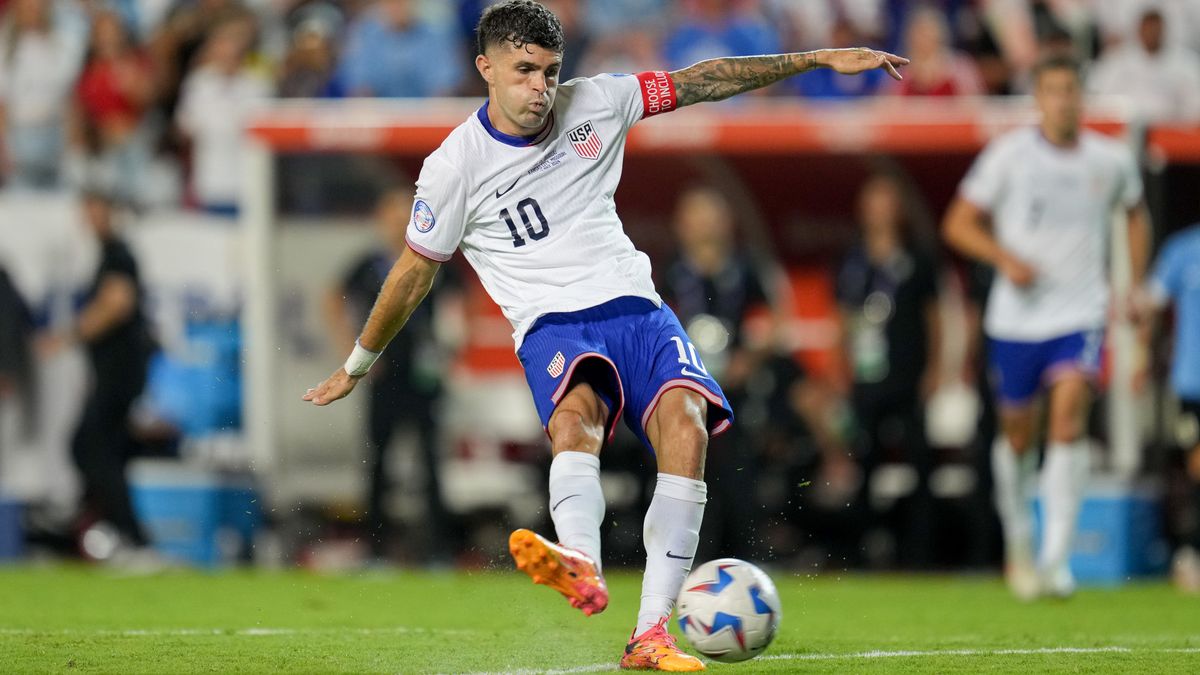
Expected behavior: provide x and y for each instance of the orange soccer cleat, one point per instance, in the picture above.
(656, 650)
(565, 570)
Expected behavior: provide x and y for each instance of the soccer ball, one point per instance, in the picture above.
(729, 610)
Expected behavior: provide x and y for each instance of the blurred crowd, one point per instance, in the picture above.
(146, 98)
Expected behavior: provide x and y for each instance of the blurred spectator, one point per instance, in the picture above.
(111, 99)
(811, 25)
(983, 540)
(390, 52)
(1161, 82)
(936, 68)
(609, 18)
(713, 288)
(310, 67)
(38, 66)
(887, 290)
(217, 98)
(176, 47)
(16, 362)
(979, 39)
(826, 83)
(1175, 281)
(1118, 21)
(112, 328)
(711, 28)
(633, 51)
(577, 33)
(405, 385)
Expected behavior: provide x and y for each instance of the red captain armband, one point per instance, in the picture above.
(658, 92)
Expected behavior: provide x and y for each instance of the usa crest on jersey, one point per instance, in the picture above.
(585, 140)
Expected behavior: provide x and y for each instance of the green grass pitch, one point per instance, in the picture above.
(75, 620)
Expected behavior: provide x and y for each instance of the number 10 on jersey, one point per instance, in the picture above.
(694, 361)
(525, 207)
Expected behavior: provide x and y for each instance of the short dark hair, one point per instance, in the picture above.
(1057, 61)
(521, 22)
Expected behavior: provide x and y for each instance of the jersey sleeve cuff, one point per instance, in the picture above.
(658, 92)
(427, 253)
(974, 200)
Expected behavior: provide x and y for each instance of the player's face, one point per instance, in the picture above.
(521, 84)
(1059, 98)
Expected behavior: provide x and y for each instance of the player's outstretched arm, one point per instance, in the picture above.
(717, 79)
(406, 286)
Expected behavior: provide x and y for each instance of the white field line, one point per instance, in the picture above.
(882, 654)
(598, 667)
(237, 632)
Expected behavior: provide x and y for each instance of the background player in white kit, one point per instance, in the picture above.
(525, 189)
(1050, 192)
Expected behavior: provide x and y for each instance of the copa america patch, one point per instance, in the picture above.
(556, 365)
(422, 216)
(585, 140)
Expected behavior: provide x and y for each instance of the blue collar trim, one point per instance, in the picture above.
(509, 139)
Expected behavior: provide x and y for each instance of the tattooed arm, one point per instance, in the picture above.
(717, 79)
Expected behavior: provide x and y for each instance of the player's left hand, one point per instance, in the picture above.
(860, 59)
(337, 386)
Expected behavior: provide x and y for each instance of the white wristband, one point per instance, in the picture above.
(360, 361)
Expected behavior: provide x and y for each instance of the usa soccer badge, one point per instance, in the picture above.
(585, 140)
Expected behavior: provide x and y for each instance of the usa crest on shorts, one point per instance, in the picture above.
(556, 365)
(585, 140)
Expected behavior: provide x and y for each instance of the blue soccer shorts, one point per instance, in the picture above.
(630, 351)
(1020, 369)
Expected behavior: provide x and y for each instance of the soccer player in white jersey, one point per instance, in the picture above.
(1050, 193)
(524, 188)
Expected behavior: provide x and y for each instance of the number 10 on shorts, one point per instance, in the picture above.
(690, 359)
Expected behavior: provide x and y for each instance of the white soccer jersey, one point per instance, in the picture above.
(535, 216)
(1052, 207)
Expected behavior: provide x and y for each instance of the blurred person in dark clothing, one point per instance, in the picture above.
(16, 360)
(406, 382)
(310, 67)
(713, 288)
(984, 544)
(887, 291)
(113, 331)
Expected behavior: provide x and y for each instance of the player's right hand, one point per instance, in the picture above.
(337, 386)
(1016, 270)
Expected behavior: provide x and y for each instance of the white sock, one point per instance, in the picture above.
(1063, 478)
(671, 534)
(1012, 479)
(577, 502)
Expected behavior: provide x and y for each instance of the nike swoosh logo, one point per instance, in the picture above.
(561, 501)
(500, 194)
(692, 373)
(679, 557)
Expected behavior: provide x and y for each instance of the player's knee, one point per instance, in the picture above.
(1065, 429)
(578, 423)
(1020, 444)
(680, 436)
(1019, 435)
